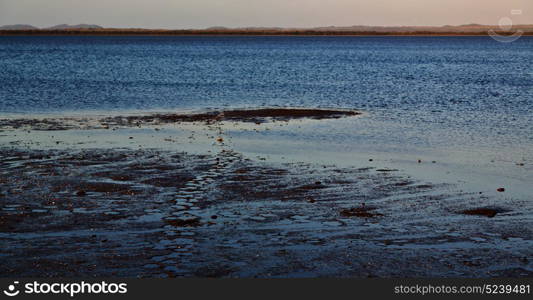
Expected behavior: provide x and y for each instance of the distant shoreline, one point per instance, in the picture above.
(147, 32)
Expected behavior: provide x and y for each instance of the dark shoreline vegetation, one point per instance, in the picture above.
(238, 32)
(256, 116)
(246, 115)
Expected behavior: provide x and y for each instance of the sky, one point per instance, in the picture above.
(243, 13)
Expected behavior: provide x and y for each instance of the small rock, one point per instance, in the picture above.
(471, 263)
(386, 170)
(183, 222)
(487, 212)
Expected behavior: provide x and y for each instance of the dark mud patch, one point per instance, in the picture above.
(313, 186)
(361, 212)
(486, 212)
(46, 124)
(285, 114)
(222, 215)
(103, 187)
(186, 222)
(114, 176)
(243, 115)
(170, 180)
(239, 115)
(387, 170)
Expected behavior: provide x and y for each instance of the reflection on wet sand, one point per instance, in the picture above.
(136, 209)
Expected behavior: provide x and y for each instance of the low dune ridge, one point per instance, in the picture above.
(90, 29)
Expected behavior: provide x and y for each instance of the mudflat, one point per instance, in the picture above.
(99, 197)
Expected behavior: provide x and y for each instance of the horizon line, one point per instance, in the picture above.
(256, 26)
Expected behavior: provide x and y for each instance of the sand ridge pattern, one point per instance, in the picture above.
(257, 116)
(166, 213)
(236, 218)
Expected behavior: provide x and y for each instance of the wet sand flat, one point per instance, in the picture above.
(134, 208)
(237, 115)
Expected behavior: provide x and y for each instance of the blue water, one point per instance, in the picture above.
(465, 100)
(433, 79)
(460, 81)
(41, 74)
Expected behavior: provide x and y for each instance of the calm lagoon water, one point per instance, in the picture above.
(464, 101)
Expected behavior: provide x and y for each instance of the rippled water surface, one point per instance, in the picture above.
(460, 74)
(465, 99)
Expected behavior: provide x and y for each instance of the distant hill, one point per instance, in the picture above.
(462, 29)
(468, 28)
(69, 27)
(18, 27)
(217, 28)
(88, 29)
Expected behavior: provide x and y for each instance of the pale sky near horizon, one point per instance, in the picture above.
(242, 13)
